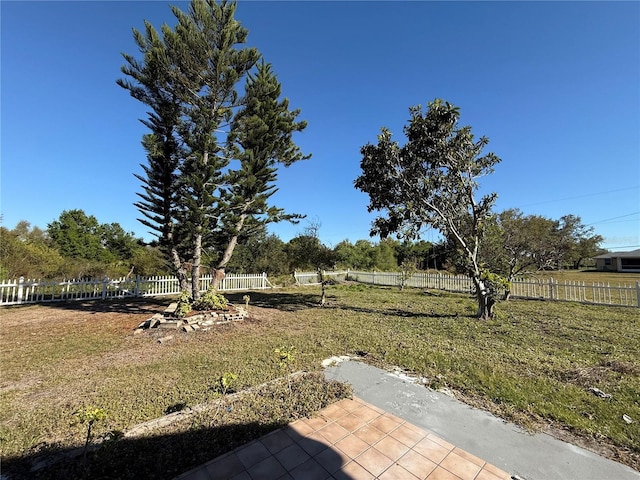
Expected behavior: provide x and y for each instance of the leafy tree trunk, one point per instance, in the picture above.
(431, 180)
(484, 298)
(219, 270)
(323, 283)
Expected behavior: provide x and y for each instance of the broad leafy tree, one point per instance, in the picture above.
(212, 150)
(575, 241)
(78, 235)
(26, 252)
(260, 253)
(432, 181)
(515, 244)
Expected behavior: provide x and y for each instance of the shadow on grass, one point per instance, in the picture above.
(166, 456)
(278, 300)
(289, 302)
(292, 302)
(285, 301)
(131, 305)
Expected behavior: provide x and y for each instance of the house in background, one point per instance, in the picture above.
(618, 261)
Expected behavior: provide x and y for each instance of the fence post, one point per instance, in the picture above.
(137, 289)
(104, 287)
(20, 289)
(638, 293)
(264, 280)
(550, 288)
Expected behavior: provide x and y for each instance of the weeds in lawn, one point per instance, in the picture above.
(286, 357)
(89, 416)
(226, 381)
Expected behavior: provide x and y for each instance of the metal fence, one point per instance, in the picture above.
(22, 291)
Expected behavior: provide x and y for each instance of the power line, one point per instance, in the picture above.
(612, 218)
(582, 196)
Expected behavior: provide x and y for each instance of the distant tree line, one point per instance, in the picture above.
(77, 245)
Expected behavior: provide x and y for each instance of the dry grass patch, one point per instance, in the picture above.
(533, 364)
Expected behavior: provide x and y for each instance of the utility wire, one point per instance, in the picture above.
(612, 218)
(582, 196)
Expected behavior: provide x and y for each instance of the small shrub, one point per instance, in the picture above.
(89, 416)
(226, 382)
(184, 304)
(211, 300)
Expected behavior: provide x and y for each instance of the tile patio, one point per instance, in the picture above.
(350, 439)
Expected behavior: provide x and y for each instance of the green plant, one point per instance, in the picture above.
(89, 416)
(286, 357)
(226, 381)
(495, 285)
(211, 300)
(408, 270)
(184, 304)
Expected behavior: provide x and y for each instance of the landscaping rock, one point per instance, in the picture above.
(599, 393)
(196, 321)
(171, 309)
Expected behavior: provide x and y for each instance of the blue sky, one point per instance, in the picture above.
(554, 85)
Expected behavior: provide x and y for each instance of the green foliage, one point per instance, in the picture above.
(515, 244)
(89, 416)
(408, 270)
(495, 285)
(286, 356)
(211, 300)
(432, 181)
(184, 304)
(260, 253)
(202, 192)
(308, 253)
(27, 253)
(74, 246)
(226, 381)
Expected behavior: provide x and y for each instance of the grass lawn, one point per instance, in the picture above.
(533, 364)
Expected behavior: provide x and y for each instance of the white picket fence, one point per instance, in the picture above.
(22, 291)
(596, 293)
(41, 291)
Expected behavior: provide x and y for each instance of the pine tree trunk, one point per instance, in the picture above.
(218, 276)
(180, 271)
(219, 271)
(195, 267)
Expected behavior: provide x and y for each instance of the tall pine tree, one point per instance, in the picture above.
(194, 198)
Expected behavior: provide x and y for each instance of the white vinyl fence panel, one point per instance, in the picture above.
(596, 293)
(313, 278)
(21, 291)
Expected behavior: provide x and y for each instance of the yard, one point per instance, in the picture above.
(534, 364)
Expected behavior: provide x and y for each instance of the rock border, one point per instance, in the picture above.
(194, 322)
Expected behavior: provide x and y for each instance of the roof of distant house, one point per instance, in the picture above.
(632, 253)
